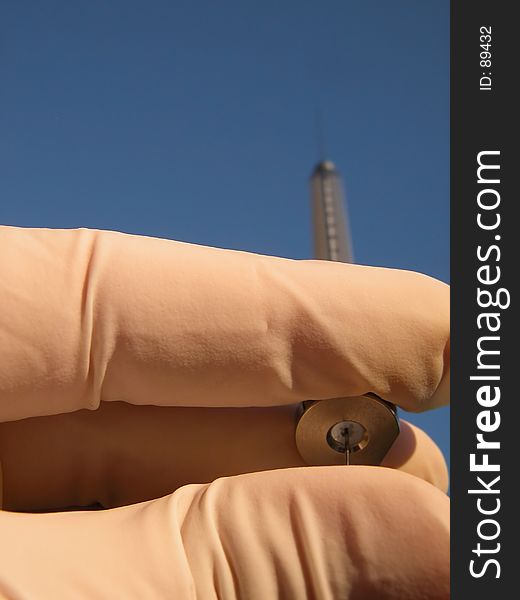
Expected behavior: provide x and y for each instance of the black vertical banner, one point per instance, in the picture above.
(485, 250)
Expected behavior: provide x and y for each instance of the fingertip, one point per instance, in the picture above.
(414, 452)
(356, 532)
(441, 396)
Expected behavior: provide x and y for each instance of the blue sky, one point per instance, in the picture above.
(195, 120)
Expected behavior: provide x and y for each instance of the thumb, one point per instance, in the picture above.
(314, 532)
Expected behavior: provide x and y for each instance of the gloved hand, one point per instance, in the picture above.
(133, 368)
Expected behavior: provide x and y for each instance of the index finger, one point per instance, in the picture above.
(91, 316)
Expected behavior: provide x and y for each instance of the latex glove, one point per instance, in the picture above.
(112, 323)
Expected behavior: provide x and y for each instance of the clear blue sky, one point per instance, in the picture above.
(194, 120)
